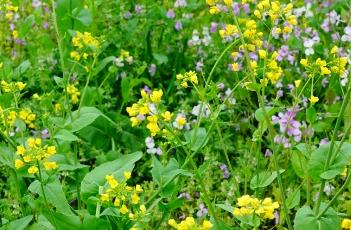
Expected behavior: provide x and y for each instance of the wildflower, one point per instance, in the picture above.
(50, 165)
(313, 99)
(304, 62)
(189, 223)
(124, 209)
(297, 83)
(33, 170)
(156, 96)
(346, 224)
(127, 175)
(18, 164)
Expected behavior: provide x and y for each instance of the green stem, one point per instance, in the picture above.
(330, 150)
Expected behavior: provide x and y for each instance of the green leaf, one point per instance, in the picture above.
(305, 218)
(62, 221)
(163, 175)
(311, 115)
(19, 224)
(26, 25)
(337, 163)
(65, 135)
(102, 64)
(54, 194)
(259, 115)
(299, 163)
(226, 207)
(263, 179)
(7, 156)
(160, 58)
(293, 199)
(95, 178)
(201, 138)
(83, 15)
(85, 117)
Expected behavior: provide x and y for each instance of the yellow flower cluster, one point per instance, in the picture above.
(145, 109)
(28, 117)
(7, 117)
(346, 224)
(124, 197)
(33, 153)
(10, 10)
(214, 7)
(274, 10)
(336, 65)
(190, 224)
(187, 77)
(248, 205)
(274, 72)
(83, 41)
(74, 93)
(11, 87)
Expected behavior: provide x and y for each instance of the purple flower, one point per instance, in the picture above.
(287, 125)
(224, 169)
(138, 9)
(152, 69)
(184, 195)
(45, 134)
(236, 8)
(178, 26)
(213, 27)
(202, 211)
(199, 66)
(170, 14)
(268, 153)
(180, 3)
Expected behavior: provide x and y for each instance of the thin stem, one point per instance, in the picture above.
(330, 151)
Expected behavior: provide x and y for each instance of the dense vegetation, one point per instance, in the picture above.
(185, 114)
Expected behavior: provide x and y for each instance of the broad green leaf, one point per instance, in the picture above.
(337, 164)
(83, 15)
(311, 115)
(83, 118)
(226, 207)
(19, 224)
(7, 156)
(63, 221)
(102, 64)
(299, 163)
(293, 199)
(198, 141)
(54, 194)
(65, 135)
(95, 178)
(306, 218)
(263, 179)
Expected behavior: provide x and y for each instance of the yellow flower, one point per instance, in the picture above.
(50, 165)
(235, 67)
(304, 62)
(19, 163)
(346, 223)
(138, 188)
(297, 83)
(206, 225)
(262, 54)
(325, 70)
(167, 116)
(20, 150)
(135, 198)
(127, 175)
(214, 10)
(156, 96)
(124, 209)
(104, 197)
(334, 50)
(51, 150)
(117, 202)
(313, 99)
(142, 208)
(33, 169)
(173, 223)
